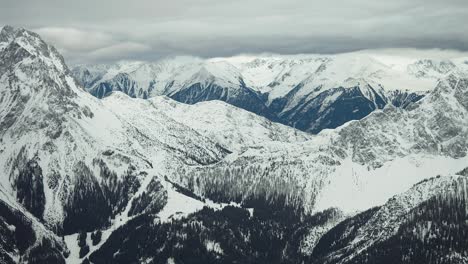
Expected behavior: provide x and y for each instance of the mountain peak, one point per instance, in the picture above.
(6, 32)
(203, 75)
(18, 44)
(448, 84)
(9, 33)
(31, 69)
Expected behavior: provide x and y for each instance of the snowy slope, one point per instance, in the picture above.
(166, 76)
(234, 128)
(332, 71)
(159, 131)
(78, 163)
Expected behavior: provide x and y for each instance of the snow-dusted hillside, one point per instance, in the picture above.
(234, 128)
(76, 163)
(309, 92)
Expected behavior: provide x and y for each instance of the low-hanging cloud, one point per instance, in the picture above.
(101, 31)
(87, 46)
(75, 40)
(121, 50)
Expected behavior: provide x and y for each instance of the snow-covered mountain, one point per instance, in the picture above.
(68, 159)
(188, 80)
(128, 180)
(77, 163)
(378, 156)
(309, 92)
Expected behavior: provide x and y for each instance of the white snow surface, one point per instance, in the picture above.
(355, 188)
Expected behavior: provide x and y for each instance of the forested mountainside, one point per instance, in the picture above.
(24, 239)
(425, 224)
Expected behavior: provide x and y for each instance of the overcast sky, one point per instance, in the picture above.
(89, 31)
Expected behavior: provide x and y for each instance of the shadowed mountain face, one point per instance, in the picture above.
(244, 98)
(329, 109)
(155, 180)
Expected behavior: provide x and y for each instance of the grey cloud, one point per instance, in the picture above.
(72, 39)
(109, 30)
(120, 49)
(88, 46)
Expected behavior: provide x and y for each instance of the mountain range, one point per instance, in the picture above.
(308, 92)
(349, 158)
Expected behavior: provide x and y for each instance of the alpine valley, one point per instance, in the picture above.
(348, 158)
